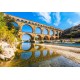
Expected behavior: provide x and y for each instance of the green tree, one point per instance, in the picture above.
(10, 24)
(9, 21)
(2, 22)
(7, 35)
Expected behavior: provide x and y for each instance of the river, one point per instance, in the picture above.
(34, 55)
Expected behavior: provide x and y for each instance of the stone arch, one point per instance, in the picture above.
(45, 31)
(60, 33)
(18, 20)
(22, 21)
(46, 38)
(38, 30)
(13, 25)
(27, 28)
(56, 33)
(27, 37)
(26, 21)
(26, 46)
(56, 38)
(51, 32)
(52, 38)
(38, 37)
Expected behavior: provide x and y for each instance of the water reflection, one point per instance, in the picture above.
(26, 55)
(37, 47)
(45, 52)
(51, 52)
(26, 46)
(37, 53)
(30, 54)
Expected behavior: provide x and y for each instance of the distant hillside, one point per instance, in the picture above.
(73, 32)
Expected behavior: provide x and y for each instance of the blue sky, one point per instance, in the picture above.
(62, 20)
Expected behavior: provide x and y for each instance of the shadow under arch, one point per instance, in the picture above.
(27, 28)
(52, 38)
(38, 37)
(46, 38)
(56, 38)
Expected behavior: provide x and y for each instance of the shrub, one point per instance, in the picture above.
(71, 39)
(7, 35)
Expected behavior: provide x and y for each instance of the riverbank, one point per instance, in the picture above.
(6, 51)
(72, 53)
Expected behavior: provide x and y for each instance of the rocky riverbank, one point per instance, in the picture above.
(6, 51)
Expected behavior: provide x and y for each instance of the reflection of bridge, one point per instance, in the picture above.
(30, 55)
(35, 47)
(21, 22)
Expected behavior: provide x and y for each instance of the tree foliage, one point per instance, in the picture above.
(9, 21)
(10, 24)
(6, 31)
(7, 35)
(2, 22)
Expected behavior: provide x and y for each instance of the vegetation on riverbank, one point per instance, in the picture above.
(8, 34)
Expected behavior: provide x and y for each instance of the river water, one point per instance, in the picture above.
(69, 44)
(34, 55)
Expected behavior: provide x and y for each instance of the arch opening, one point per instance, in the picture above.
(26, 46)
(38, 30)
(38, 37)
(45, 31)
(13, 25)
(46, 38)
(51, 32)
(27, 28)
(60, 33)
(26, 37)
(56, 33)
(52, 38)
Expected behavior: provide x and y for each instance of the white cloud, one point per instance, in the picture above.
(73, 23)
(45, 16)
(76, 23)
(69, 21)
(78, 13)
(58, 18)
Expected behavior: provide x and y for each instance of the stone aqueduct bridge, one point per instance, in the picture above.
(21, 22)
